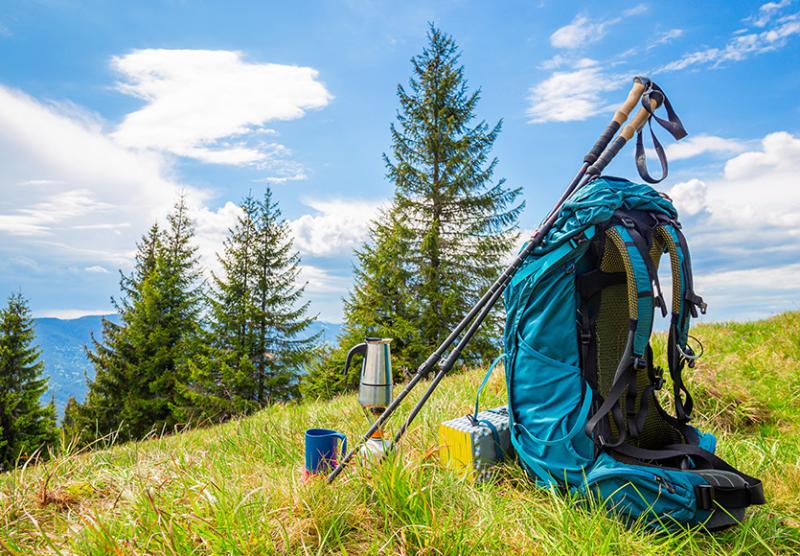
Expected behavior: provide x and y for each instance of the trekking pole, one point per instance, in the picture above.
(491, 295)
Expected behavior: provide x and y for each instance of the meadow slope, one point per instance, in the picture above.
(237, 488)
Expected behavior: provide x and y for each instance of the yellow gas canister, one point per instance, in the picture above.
(474, 444)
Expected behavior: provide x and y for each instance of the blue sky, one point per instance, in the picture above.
(109, 110)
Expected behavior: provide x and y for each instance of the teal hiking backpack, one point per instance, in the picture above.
(584, 405)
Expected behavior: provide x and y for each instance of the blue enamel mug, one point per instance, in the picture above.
(321, 452)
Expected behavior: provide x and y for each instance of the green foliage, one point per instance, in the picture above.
(255, 349)
(238, 488)
(437, 249)
(140, 363)
(26, 426)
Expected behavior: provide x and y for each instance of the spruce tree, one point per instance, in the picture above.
(140, 363)
(25, 424)
(259, 344)
(113, 356)
(460, 221)
(450, 227)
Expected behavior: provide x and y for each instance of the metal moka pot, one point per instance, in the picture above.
(375, 384)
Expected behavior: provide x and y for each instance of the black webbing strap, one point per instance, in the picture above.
(590, 283)
(728, 497)
(672, 124)
(683, 398)
(625, 379)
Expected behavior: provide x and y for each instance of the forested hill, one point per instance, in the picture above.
(62, 342)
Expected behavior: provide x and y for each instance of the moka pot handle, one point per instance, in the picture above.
(360, 349)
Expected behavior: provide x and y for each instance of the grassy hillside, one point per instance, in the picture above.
(238, 488)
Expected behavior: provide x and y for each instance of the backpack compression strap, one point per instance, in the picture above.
(707, 496)
(685, 304)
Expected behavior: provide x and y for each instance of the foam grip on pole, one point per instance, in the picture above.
(612, 150)
(639, 86)
(640, 119)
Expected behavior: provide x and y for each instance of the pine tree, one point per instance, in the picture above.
(461, 223)
(258, 319)
(449, 229)
(140, 364)
(114, 357)
(26, 426)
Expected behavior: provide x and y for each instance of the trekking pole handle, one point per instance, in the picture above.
(639, 86)
(627, 132)
(641, 117)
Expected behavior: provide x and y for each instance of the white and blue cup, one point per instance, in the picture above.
(322, 451)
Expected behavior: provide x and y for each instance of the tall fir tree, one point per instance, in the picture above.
(114, 356)
(26, 426)
(460, 222)
(451, 222)
(140, 363)
(258, 339)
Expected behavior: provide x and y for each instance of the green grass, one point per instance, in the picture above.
(238, 488)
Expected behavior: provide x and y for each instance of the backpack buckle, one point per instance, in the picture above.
(705, 496)
(639, 363)
(658, 378)
(627, 221)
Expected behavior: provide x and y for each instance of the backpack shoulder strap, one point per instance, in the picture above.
(640, 285)
(685, 304)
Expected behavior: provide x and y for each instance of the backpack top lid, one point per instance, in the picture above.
(596, 202)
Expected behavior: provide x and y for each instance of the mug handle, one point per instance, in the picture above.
(343, 438)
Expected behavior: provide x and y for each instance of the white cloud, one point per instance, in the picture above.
(666, 37)
(583, 30)
(757, 188)
(69, 314)
(780, 152)
(571, 95)
(580, 31)
(72, 196)
(696, 145)
(96, 269)
(750, 293)
(212, 105)
(689, 196)
(766, 12)
(337, 227)
(775, 35)
(744, 230)
(320, 281)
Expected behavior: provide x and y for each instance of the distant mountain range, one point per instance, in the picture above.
(63, 341)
